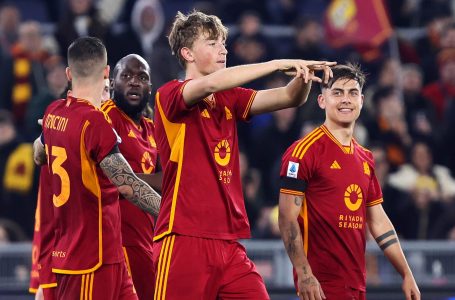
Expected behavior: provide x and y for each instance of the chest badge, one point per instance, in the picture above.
(366, 168)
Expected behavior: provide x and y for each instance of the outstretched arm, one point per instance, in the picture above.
(289, 209)
(117, 169)
(199, 88)
(384, 233)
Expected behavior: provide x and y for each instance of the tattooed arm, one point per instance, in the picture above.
(289, 208)
(382, 230)
(129, 185)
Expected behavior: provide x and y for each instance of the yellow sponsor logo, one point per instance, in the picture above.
(353, 192)
(147, 163)
(223, 153)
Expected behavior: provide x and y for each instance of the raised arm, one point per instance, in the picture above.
(289, 210)
(384, 233)
(199, 88)
(129, 185)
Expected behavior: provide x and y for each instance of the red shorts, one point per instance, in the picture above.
(49, 293)
(197, 268)
(109, 282)
(342, 293)
(140, 265)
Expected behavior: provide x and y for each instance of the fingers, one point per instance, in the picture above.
(415, 295)
(407, 294)
(321, 292)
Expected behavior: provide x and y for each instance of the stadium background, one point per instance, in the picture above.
(407, 48)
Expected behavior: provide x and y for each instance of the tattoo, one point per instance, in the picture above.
(310, 281)
(298, 201)
(384, 236)
(305, 271)
(132, 188)
(389, 243)
(290, 245)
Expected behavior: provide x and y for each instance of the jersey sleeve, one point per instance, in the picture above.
(170, 102)
(244, 100)
(296, 170)
(374, 196)
(99, 137)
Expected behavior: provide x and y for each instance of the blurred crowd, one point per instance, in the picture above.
(407, 121)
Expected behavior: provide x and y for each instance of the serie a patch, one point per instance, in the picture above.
(293, 169)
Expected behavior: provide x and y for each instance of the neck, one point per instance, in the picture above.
(136, 117)
(91, 93)
(192, 72)
(342, 133)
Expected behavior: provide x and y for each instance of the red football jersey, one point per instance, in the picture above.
(34, 271)
(337, 183)
(139, 149)
(77, 138)
(202, 193)
(47, 230)
(43, 237)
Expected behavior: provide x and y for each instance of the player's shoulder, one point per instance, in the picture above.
(55, 104)
(92, 114)
(310, 143)
(108, 105)
(362, 150)
(171, 85)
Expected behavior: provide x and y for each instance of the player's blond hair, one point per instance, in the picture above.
(187, 28)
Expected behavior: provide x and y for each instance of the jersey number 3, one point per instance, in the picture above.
(57, 169)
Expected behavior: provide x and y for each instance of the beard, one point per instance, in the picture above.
(131, 110)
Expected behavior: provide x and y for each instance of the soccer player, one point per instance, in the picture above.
(88, 171)
(196, 253)
(329, 194)
(131, 93)
(42, 280)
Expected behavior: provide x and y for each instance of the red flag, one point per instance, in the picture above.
(357, 22)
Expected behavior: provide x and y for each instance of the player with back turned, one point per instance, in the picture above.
(87, 173)
(329, 195)
(196, 253)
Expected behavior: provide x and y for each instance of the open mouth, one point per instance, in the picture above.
(345, 110)
(135, 96)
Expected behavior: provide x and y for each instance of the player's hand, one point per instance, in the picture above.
(305, 69)
(309, 288)
(410, 288)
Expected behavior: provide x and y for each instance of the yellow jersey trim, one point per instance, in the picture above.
(304, 141)
(175, 134)
(330, 135)
(48, 285)
(249, 104)
(375, 202)
(292, 192)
